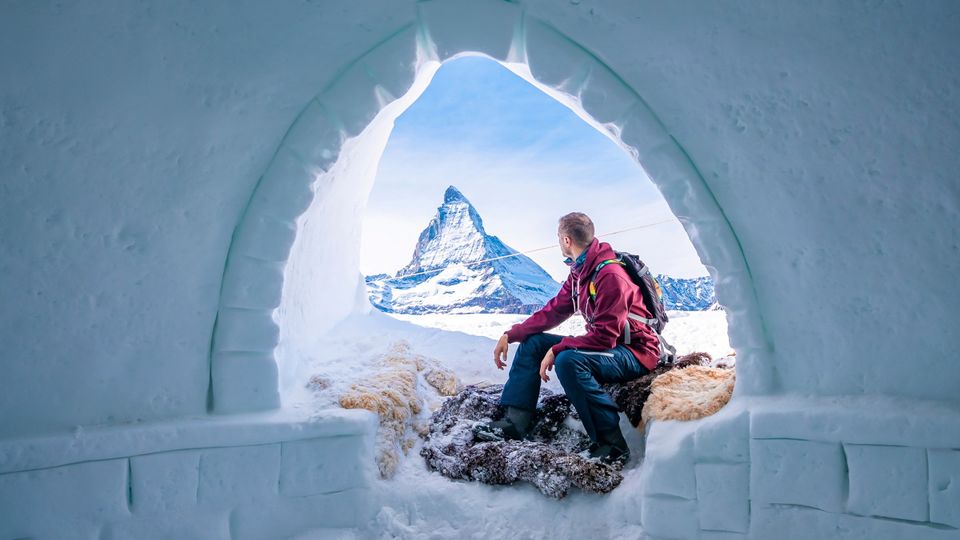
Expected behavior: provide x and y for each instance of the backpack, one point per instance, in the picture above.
(652, 299)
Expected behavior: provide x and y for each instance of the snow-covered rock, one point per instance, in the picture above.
(695, 294)
(458, 268)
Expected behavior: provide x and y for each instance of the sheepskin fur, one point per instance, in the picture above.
(632, 395)
(396, 395)
(688, 394)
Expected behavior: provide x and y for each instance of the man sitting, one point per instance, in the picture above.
(585, 362)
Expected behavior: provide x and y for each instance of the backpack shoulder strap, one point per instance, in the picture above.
(592, 288)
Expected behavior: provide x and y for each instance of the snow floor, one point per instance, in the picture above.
(688, 331)
(419, 504)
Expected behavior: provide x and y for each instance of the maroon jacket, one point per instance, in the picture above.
(616, 295)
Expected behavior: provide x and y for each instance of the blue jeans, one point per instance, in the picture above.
(580, 373)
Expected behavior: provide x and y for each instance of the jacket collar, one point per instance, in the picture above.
(577, 263)
(597, 251)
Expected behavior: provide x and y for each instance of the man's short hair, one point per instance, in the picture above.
(578, 227)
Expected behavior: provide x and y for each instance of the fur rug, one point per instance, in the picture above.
(688, 394)
(550, 460)
(394, 393)
(632, 396)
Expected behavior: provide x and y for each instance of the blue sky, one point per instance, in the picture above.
(523, 160)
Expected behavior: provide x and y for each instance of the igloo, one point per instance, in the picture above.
(176, 178)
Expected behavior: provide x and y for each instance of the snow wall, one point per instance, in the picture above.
(167, 174)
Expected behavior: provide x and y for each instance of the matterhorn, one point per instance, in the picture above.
(458, 268)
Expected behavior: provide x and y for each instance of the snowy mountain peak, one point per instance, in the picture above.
(457, 267)
(454, 235)
(453, 195)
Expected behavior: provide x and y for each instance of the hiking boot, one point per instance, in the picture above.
(498, 430)
(609, 454)
(514, 426)
(588, 453)
(611, 448)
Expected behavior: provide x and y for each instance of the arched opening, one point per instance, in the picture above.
(483, 164)
(326, 162)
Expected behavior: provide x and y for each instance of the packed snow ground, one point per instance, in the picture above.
(462, 342)
(688, 331)
(419, 504)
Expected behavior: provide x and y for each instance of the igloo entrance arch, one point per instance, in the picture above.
(311, 197)
(825, 140)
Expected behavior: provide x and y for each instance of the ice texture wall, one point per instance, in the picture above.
(823, 134)
(133, 138)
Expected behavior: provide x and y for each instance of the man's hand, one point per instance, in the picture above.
(500, 352)
(547, 365)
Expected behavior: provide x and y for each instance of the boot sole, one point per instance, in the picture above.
(490, 436)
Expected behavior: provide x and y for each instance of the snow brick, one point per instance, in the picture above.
(724, 436)
(492, 27)
(642, 131)
(246, 330)
(195, 523)
(230, 476)
(721, 535)
(605, 97)
(945, 487)
(393, 64)
(669, 517)
(265, 238)
(888, 481)
(790, 522)
(286, 517)
(668, 465)
(77, 498)
(165, 482)
(285, 189)
(252, 284)
(723, 495)
(314, 139)
(244, 381)
(354, 99)
(326, 465)
(554, 60)
(806, 473)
